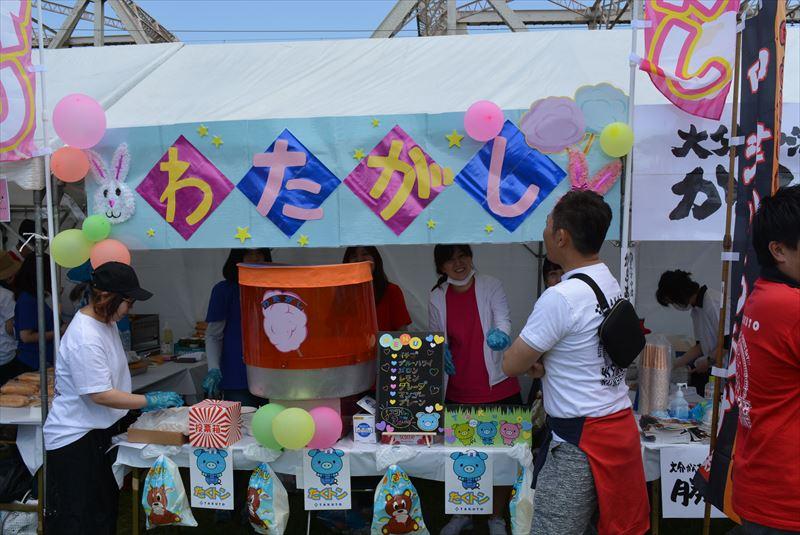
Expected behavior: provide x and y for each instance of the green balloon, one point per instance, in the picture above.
(70, 248)
(262, 425)
(293, 428)
(96, 228)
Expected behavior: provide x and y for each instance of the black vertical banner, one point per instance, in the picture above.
(763, 47)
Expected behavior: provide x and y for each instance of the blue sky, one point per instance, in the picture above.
(205, 21)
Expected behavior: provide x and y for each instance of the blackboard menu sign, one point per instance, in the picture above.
(410, 382)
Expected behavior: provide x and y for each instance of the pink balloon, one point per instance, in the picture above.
(328, 427)
(109, 251)
(483, 120)
(79, 120)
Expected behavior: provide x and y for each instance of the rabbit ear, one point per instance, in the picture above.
(606, 177)
(578, 169)
(120, 163)
(97, 166)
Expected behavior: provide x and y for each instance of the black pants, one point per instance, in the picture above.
(82, 493)
(749, 528)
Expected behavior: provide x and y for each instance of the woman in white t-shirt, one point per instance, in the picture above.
(92, 393)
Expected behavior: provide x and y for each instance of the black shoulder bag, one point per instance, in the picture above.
(619, 332)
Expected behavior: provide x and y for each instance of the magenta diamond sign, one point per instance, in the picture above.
(184, 187)
(397, 180)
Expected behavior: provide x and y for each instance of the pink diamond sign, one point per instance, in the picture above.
(397, 180)
(184, 187)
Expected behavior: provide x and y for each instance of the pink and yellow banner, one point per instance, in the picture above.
(689, 52)
(17, 82)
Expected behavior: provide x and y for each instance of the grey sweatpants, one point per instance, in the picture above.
(565, 498)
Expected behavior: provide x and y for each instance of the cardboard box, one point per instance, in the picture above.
(215, 424)
(148, 436)
(364, 428)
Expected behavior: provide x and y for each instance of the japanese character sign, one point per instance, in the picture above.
(184, 187)
(468, 482)
(288, 184)
(326, 478)
(397, 180)
(679, 496)
(211, 476)
(508, 178)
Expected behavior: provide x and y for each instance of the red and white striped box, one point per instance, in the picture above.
(215, 424)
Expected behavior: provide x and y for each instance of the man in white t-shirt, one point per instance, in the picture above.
(592, 459)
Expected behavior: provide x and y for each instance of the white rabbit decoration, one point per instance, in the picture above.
(114, 198)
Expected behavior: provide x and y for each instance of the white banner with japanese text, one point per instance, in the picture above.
(679, 496)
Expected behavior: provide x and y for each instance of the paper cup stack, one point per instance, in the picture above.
(654, 374)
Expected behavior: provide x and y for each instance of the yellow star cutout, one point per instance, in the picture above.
(489, 229)
(202, 130)
(454, 139)
(358, 154)
(242, 234)
(303, 241)
(216, 141)
(431, 224)
(151, 233)
(375, 123)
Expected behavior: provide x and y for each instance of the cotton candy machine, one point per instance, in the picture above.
(308, 332)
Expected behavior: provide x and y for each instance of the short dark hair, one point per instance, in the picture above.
(777, 219)
(230, 272)
(586, 216)
(25, 280)
(379, 279)
(26, 226)
(105, 304)
(444, 252)
(675, 287)
(547, 267)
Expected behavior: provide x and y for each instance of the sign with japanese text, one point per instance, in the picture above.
(468, 483)
(17, 82)
(5, 202)
(680, 173)
(679, 496)
(211, 478)
(326, 479)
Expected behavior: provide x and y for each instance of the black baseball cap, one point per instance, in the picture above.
(121, 279)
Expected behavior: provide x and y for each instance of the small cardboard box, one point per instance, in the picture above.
(215, 424)
(149, 436)
(364, 428)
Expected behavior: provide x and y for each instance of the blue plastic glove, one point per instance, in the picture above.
(498, 340)
(449, 367)
(211, 382)
(162, 400)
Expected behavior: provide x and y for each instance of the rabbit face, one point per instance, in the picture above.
(114, 198)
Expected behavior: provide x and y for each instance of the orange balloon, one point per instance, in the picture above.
(109, 251)
(69, 164)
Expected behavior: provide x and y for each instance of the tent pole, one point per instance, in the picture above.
(727, 245)
(625, 244)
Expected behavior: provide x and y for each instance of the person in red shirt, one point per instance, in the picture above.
(766, 461)
(472, 311)
(390, 305)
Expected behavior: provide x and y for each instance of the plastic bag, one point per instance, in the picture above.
(267, 501)
(521, 504)
(163, 498)
(397, 508)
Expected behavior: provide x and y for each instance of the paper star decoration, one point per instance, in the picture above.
(375, 123)
(431, 224)
(242, 234)
(202, 130)
(151, 233)
(216, 141)
(303, 241)
(358, 154)
(489, 229)
(454, 139)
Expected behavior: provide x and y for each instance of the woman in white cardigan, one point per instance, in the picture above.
(472, 312)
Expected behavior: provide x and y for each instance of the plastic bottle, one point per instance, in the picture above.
(708, 393)
(678, 406)
(166, 341)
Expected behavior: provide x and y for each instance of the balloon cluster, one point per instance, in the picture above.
(275, 427)
(71, 248)
(80, 122)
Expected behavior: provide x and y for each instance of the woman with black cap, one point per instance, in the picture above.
(92, 393)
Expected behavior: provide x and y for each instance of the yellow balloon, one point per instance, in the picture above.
(293, 428)
(616, 140)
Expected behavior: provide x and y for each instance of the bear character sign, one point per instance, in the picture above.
(428, 422)
(510, 432)
(398, 507)
(465, 433)
(326, 464)
(487, 431)
(253, 503)
(211, 463)
(469, 466)
(159, 514)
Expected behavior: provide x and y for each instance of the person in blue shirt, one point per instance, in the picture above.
(227, 375)
(26, 318)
